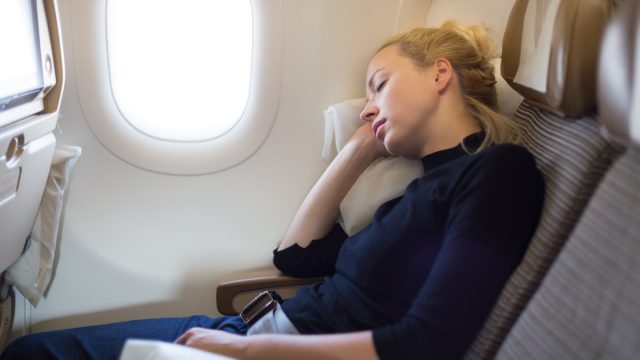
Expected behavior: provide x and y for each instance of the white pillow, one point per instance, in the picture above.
(158, 350)
(383, 180)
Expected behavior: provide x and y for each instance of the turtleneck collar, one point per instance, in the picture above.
(468, 145)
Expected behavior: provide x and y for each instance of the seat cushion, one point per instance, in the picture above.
(587, 306)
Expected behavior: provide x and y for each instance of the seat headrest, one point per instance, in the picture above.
(550, 52)
(618, 78)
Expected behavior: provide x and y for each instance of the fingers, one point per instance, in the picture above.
(365, 138)
(185, 338)
(211, 340)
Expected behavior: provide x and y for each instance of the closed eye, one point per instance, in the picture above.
(381, 86)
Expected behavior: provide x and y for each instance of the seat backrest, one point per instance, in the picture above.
(28, 115)
(560, 129)
(588, 305)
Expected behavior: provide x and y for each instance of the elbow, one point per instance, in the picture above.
(279, 261)
(287, 264)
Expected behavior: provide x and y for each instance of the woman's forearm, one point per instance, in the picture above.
(319, 210)
(309, 347)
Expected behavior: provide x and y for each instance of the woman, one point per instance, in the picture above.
(421, 279)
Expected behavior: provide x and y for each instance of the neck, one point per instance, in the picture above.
(448, 127)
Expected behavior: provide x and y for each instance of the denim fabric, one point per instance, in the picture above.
(106, 341)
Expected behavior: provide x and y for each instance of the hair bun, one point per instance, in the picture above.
(477, 35)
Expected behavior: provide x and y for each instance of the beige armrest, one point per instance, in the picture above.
(252, 282)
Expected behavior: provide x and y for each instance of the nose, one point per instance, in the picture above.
(369, 112)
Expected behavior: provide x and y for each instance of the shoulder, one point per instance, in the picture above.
(498, 185)
(502, 166)
(506, 155)
(504, 160)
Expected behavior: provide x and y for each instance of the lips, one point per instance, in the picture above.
(376, 126)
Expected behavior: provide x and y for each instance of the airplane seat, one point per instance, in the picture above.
(30, 160)
(549, 56)
(587, 305)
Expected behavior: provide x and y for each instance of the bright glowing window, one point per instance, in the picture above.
(180, 70)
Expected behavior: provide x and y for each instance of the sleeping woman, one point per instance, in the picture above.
(420, 280)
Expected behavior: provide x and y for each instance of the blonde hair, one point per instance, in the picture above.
(470, 51)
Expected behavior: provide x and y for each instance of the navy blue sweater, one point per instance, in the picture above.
(426, 272)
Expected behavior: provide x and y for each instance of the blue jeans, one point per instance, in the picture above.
(106, 341)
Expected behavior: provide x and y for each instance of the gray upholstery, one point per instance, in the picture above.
(588, 306)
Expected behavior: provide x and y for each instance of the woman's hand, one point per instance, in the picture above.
(365, 139)
(215, 341)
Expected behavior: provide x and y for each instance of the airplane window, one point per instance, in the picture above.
(183, 87)
(184, 73)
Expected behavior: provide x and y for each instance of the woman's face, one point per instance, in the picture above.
(400, 99)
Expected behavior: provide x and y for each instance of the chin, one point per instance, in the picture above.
(399, 152)
(390, 149)
(397, 149)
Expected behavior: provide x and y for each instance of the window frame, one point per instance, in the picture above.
(121, 138)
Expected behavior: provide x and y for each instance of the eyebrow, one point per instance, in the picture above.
(370, 82)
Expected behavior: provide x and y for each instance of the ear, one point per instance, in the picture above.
(443, 73)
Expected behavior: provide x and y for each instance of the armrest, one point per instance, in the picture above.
(252, 282)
